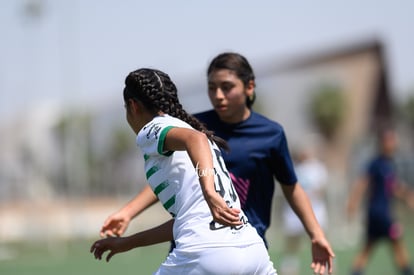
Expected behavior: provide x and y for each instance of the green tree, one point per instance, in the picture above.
(327, 109)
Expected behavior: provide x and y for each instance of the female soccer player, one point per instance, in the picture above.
(258, 153)
(185, 170)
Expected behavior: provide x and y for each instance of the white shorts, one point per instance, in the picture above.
(249, 260)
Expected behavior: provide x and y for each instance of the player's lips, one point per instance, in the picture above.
(221, 107)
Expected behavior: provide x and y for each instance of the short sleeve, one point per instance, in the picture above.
(151, 138)
(283, 165)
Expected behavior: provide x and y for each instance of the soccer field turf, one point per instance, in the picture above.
(74, 258)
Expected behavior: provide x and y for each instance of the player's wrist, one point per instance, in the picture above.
(316, 235)
(128, 212)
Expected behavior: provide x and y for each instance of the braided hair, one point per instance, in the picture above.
(157, 92)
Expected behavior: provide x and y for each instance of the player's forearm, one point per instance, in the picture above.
(140, 202)
(356, 194)
(301, 205)
(199, 151)
(159, 234)
(197, 146)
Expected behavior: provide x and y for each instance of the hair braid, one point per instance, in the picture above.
(157, 92)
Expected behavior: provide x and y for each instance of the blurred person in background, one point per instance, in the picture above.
(379, 184)
(258, 154)
(184, 167)
(313, 176)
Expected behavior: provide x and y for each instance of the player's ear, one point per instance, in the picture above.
(250, 88)
(138, 107)
(133, 105)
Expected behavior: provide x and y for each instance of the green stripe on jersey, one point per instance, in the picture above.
(161, 141)
(169, 203)
(151, 171)
(161, 187)
(146, 157)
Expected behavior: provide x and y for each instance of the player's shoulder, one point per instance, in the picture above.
(159, 123)
(168, 120)
(206, 115)
(376, 163)
(259, 119)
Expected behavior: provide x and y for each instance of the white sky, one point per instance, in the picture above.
(80, 51)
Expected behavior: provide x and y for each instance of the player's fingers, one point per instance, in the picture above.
(235, 211)
(94, 246)
(316, 268)
(107, 222)
(107, 233)
(106, 227)
(120, 230)
(330, 265)
(98, 254)
(232, 214)
(331, 253)
(230, 220)
(104, 232)
(109, 256)
(322, 269)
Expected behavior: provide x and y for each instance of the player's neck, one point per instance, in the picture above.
(237, 117)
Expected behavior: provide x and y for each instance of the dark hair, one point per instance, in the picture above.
(157, 92)
(239, 65)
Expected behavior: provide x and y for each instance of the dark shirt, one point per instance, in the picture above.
(258, 154)
(382, 178)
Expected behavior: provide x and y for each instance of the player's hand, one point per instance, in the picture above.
(115, 225)
(220, 211)
(410, 200)
(112, 244)
(322, 256)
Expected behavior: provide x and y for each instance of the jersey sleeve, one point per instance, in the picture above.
(151, 138)
(369, 169)
(282, 162)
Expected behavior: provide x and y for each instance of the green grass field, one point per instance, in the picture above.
(73, 257)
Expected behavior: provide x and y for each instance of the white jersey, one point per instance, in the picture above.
(174, 180)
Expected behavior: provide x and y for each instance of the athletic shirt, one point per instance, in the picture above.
(382, 178)
(258, 154)
(174, 180)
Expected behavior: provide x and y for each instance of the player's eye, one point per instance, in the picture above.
(211, 88)
(226, 87)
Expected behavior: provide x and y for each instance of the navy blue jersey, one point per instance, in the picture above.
(381, 173)
(258, 154)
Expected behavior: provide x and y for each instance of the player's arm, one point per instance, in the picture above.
(405, 193)
(356, 194)
(322, 253)
(114, 245)
(117, 223)
(197, 146)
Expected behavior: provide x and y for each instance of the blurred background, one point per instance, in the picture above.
(331, 73)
